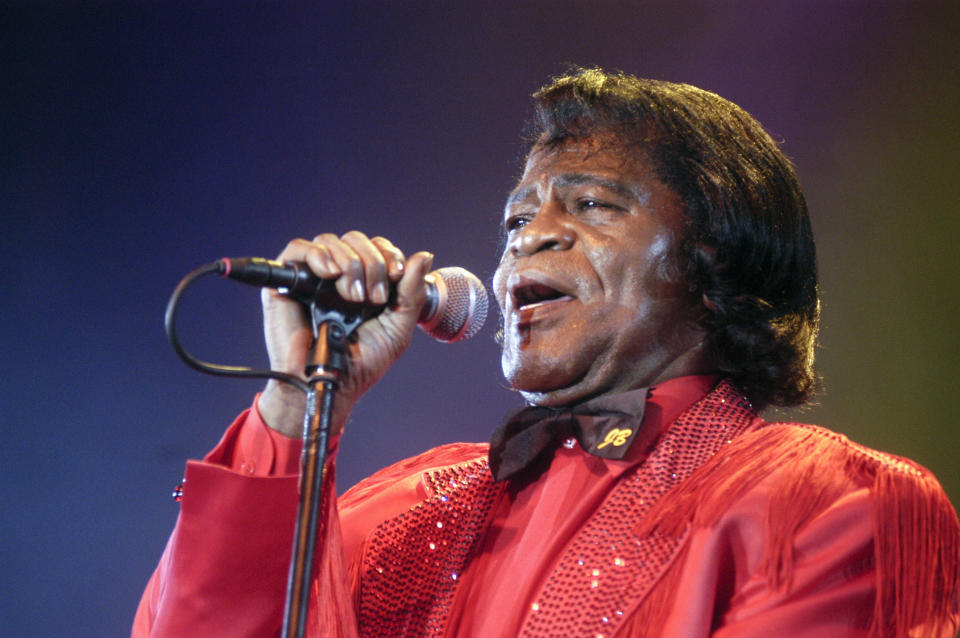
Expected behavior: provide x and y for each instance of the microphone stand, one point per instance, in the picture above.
(333, 321)
(327, 361)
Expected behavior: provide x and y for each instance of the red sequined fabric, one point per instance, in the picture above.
(412, 563)
(411, 567)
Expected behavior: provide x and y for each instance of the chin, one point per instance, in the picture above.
(542, 382)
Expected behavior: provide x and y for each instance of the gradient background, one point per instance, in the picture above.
(142, 140)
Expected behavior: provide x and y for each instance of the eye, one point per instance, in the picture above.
(599, 209)
(515, 222)
(588, 203)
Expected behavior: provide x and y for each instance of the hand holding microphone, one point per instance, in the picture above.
(455, 309)
(361, 271)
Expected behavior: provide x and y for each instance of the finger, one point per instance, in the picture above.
(374, 266)
(392, 255)
(315, 254)
(350, 285)
(412, 289)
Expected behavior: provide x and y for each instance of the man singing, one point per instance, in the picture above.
(658, 289)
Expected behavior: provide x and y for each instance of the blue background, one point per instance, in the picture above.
(140, 140)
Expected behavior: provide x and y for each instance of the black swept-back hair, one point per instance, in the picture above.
(748, 253)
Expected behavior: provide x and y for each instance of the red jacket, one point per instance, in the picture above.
(727, 527)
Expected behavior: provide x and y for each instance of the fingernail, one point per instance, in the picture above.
(399, 265)
(429, 261)
(380, 294)
(356, 291)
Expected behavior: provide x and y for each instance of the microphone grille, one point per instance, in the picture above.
(465, 309)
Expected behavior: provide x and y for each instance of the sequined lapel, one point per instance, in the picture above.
(607, 571)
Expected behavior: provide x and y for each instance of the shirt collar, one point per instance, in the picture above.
(622, 426)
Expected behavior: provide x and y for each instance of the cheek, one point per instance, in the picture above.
(500, 286)
(652, 274)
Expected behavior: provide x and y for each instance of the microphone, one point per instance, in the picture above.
(456, 304)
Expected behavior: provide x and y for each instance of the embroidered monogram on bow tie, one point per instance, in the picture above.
(616, 436)
(604, 427)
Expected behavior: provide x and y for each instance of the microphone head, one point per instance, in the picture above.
(457, 305)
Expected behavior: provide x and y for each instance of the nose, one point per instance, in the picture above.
(548, 230)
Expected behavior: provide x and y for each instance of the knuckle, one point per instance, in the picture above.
(386, 247)
(294, 246)
(354, 235)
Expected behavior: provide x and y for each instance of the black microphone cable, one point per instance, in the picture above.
(170, 323)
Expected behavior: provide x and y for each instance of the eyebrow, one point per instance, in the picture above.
(575, 179)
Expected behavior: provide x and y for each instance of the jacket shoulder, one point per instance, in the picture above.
(435, 458)
(800, 471)
(859, 460)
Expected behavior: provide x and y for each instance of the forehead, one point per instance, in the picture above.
(607, 157)
(605, 161)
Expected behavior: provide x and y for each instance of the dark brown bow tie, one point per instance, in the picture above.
(531, 435)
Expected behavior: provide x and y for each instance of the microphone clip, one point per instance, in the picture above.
(332, 327)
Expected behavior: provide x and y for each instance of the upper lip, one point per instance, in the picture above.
(529, 287)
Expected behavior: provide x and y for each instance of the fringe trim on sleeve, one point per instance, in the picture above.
(916, 547)
(331, 608)
(916, 531)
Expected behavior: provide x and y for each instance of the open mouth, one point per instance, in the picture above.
(533, 295)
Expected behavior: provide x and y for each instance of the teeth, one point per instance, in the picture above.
(541, 303)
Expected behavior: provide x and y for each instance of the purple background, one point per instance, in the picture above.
(142, 140)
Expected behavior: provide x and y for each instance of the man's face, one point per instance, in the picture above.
(591, 299)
